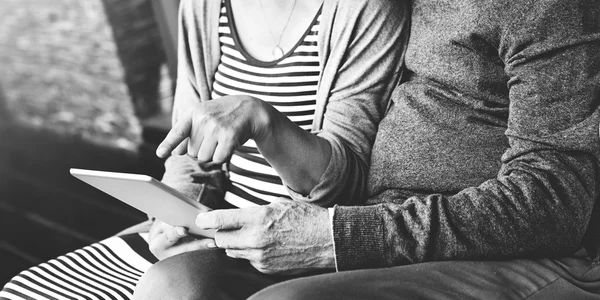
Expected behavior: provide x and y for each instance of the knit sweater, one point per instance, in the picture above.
(490, 149)
(360, 46)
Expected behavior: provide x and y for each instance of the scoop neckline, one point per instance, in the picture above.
(252, 59)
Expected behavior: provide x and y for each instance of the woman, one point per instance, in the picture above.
(300, 84)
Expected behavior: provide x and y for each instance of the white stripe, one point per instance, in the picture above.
(224, 29)
(254, 78)
(258, 195)
(43, 281)
(113, 265)
(301, 118)
(259, 70)
(223, 19)
(100, 279)
(307, 127)
(43, 290)
(267, 89)
(115, 276)
(10, 296)
(226, 40)
(252, 144)
(118, 264)
(121, 248)
(232, 52)
(306, 48)
(23, 291)
(257, 184)
(227, 91)
(238, 201)
(63, 280)
(252, 166)
(124, 266)
(98, 274)
(89, 284)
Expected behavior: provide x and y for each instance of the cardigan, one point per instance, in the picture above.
(490, 149)
(360, 45)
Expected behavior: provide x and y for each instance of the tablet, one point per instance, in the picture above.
(148, 195)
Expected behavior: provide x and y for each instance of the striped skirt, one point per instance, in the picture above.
(108, 269)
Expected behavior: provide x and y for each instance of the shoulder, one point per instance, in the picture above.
(199, 7)
(350, 11)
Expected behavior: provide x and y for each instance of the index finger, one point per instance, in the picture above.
(223, 219)
(179, 133)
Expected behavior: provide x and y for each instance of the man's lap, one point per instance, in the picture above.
(211, 273)
(565, 278)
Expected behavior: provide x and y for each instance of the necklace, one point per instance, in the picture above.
(277, 51)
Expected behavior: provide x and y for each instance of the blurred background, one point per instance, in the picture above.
(84, 84)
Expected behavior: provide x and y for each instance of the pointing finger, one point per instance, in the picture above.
(180, 131)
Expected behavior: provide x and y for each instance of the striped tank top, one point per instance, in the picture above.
(289, 84)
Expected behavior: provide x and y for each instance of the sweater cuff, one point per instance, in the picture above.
(358, 237)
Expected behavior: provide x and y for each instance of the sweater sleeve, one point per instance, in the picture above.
(541, 201)
(362, 60)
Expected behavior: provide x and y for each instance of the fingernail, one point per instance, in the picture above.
(160, 152)
(180, 231)
(199, 218)
(211, 245)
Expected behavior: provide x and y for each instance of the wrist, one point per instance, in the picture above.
(265, 121)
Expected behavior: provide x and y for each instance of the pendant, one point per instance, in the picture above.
(277, 52)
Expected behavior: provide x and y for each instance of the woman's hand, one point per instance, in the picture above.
(166, 241)
(216, 128)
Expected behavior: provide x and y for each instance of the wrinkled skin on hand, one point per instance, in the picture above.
(284, 238)
(212, 130)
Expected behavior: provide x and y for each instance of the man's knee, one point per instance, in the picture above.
(185, 276)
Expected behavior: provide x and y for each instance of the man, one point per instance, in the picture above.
(483, 180)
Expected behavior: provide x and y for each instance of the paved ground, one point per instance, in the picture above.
(44, 212)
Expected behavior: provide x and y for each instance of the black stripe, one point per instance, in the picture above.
(98, 285)
(304, 123)
(120, 259)
(305, 53)
(310, 112)
(277, 66)
(48, 287)
(294, 74)
(224, 34)
(135, 273)
(69, 278)
(53, 281)
(139, 245)
(271, 84)
(275, 94)
(32, 290)
(88, 266)
(112, 268)
(262, 191)
(254, 175)
(248, 150)
(240, 193)
(245, 152)
(18, 294)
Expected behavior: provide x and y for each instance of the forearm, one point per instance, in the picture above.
(528, 210)
(299, 157)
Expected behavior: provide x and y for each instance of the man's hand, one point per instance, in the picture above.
(284, 237)
(166, 240)
(213, 129)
